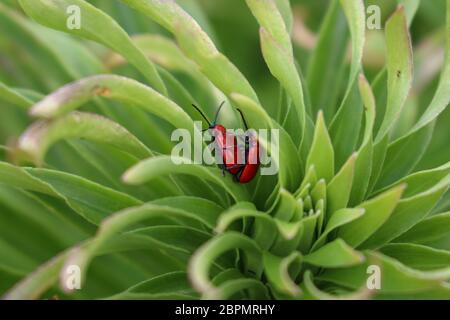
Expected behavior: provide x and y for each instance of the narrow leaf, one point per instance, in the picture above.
(399, 68)
(97, 26)
(339, 188)
(336, 254)
(42, 135)
(321, 154)
(377, 211)
(165, 165)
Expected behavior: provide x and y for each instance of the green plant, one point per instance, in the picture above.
(97, 188)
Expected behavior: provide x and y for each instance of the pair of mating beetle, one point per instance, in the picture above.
(228, 145)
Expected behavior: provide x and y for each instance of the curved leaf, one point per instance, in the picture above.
(171, 285)
(396, 278)
(97, 26)
(408, 212)
(338, 219)
(202, 259)
(417, 256)
(377, 211)
(336, 254)
(312, 290)
(112, 87)
(277, 272)
(399, 68)
(165, 165)
(42, 135)
(196, 45)
(11, 96)
(442, 95)
(427, 230)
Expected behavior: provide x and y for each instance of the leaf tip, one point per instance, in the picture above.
(129, 177)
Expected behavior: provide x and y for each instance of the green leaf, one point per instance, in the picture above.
(336, 254)
(97, 26)
(43, 134)
(39, 281)
(378, 157)
(277, 271)
(399, 68)
(287, 230)
(47, 227)
(422, 180)
(396, 278)
(91, 200)
(410, 8)
(120, 222)
(427, 230)
(66, 54)
(345, 126)
(165, 165)
(310, 179)
(440, 292)
(404, 154)
(377, 211)
(338, 219)
(196, 44)
(363, 165)
(417, 256)
(309, 229)
(171, 285)
(203, 258)
(207, 210)
(287, 208)
(315, 293)
(271, 20)
(230, 288)
(324, 70)
(321, 154)
(408, 212)
(442, 95)
(17, 177)
(356, 19)
(112, 87)
(278, 54)
(231, 282)
(284, 7)
(161, 50)
(339, 188)
(13, 97)
(281, 65)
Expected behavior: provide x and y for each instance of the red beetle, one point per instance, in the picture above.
(228, 144)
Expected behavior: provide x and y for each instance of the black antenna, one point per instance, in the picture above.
(243, 119)
(218, 111)
(202, 114)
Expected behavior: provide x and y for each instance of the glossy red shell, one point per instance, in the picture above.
(228, 144)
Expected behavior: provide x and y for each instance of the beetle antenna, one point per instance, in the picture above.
(243, 119)
(218, 111)
(202, 114)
